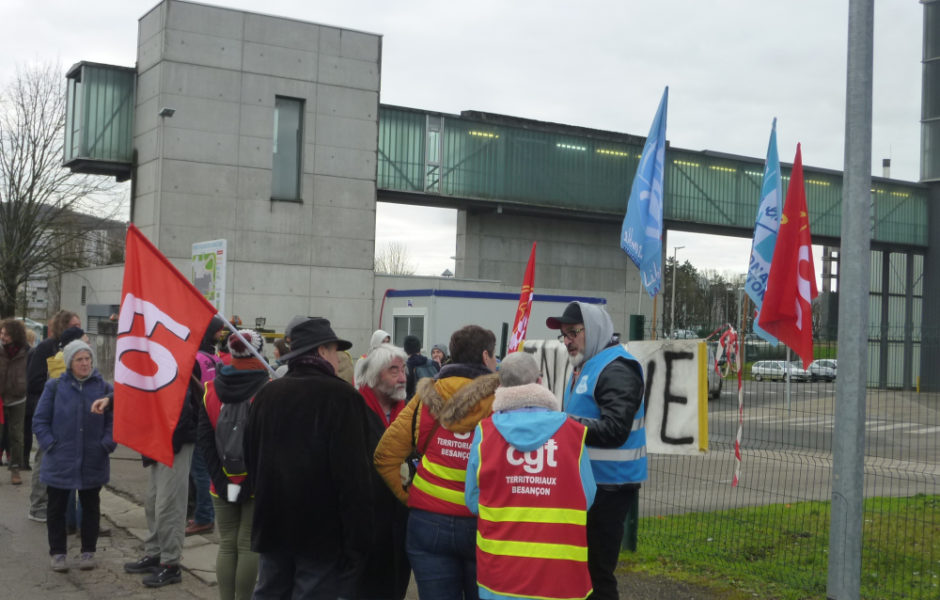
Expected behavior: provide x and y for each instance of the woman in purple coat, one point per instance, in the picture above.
(76, 443)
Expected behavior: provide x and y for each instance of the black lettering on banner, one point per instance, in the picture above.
(670, 398)
(648, 391)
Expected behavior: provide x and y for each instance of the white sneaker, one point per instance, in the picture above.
(86, 561)
(59, 563)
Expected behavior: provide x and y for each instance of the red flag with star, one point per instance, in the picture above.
(787, 312)
(521, 323)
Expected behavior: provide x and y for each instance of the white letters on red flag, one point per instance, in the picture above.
(525, 306)
(787, 312)
(163, 319)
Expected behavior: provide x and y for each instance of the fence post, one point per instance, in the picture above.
(632, 522)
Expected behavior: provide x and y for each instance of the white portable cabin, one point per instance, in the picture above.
(433, 314)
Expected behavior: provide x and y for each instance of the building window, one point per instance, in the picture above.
(288, 149)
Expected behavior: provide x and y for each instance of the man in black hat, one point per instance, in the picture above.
(605, 393)
(306, 451)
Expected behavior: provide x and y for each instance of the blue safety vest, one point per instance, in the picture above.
(626, 464)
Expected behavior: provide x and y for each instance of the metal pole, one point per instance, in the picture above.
(848, 438)
(672, 319)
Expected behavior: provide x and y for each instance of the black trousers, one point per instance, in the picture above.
(55, 518)
(604, 534)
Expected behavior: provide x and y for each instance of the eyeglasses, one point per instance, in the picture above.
(570, 335)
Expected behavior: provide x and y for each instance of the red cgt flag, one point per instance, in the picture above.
(521, 323)
(163, 319)
(787, 312)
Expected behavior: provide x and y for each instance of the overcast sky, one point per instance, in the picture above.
(731, 65)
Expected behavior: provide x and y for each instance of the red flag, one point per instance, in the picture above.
(163, 319)
(787, 312)
(525, 306)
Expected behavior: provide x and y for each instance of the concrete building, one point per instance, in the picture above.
(262, 131)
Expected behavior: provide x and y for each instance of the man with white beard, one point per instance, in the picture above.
(381, 377)
(605, 393)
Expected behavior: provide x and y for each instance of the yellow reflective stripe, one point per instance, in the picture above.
(532, 549)
(529, 597)
(441, 493)
(527, 514)
(448, 473)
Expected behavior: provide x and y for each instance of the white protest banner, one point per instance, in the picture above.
(676, 393)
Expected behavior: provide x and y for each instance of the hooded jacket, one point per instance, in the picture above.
(619, 389)
(231, 386)
(76, 441)
(527, 418)
(459, 398)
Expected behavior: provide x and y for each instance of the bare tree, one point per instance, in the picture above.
(47, 214)
(394, 259)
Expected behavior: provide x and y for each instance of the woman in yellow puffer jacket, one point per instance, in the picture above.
(441, 538)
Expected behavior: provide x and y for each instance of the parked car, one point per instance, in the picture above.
(823, 369)
(778, 369)
(797, 372)
(684, 334)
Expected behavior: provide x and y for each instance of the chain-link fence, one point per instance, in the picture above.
(781, 503)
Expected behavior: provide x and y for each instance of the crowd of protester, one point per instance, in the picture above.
(329, 479)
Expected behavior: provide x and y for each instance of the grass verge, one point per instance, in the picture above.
(780, 551)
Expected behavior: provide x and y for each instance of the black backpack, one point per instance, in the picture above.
(230, 435)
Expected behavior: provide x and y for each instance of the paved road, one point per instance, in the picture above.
(24, 550)
(24, 561)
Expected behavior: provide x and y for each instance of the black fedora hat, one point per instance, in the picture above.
(310, 334)
(571, 315)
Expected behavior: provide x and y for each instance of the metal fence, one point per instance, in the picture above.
(786, 460)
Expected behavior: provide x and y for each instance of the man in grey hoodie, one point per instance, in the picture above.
(605, 393)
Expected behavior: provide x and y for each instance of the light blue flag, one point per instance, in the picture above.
(766, 226)
(641, 236)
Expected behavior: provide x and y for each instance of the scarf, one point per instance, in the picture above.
(372, 401)
(248, 364)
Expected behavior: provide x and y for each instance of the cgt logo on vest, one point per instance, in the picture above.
(534, 460)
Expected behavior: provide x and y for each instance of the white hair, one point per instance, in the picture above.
(369, 369)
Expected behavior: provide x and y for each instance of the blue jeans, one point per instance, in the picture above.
(442, 551)
(285, 576)
(204, 512)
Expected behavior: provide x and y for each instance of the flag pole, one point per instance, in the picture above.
(653, 334)
(248, 345)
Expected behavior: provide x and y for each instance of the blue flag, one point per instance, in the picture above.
(641, 236)
(766, 226)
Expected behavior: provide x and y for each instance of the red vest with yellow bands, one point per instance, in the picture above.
(532, 527)
(441, 475)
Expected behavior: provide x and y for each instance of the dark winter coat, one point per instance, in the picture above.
(37, 370)
(13, 375)
(76, 441)
(309, 466)
(386, 572)
(417, 368)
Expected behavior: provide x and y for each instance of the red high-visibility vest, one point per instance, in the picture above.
(441, 475)
(532, 526)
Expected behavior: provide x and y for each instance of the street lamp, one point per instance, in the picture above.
(672, 319)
